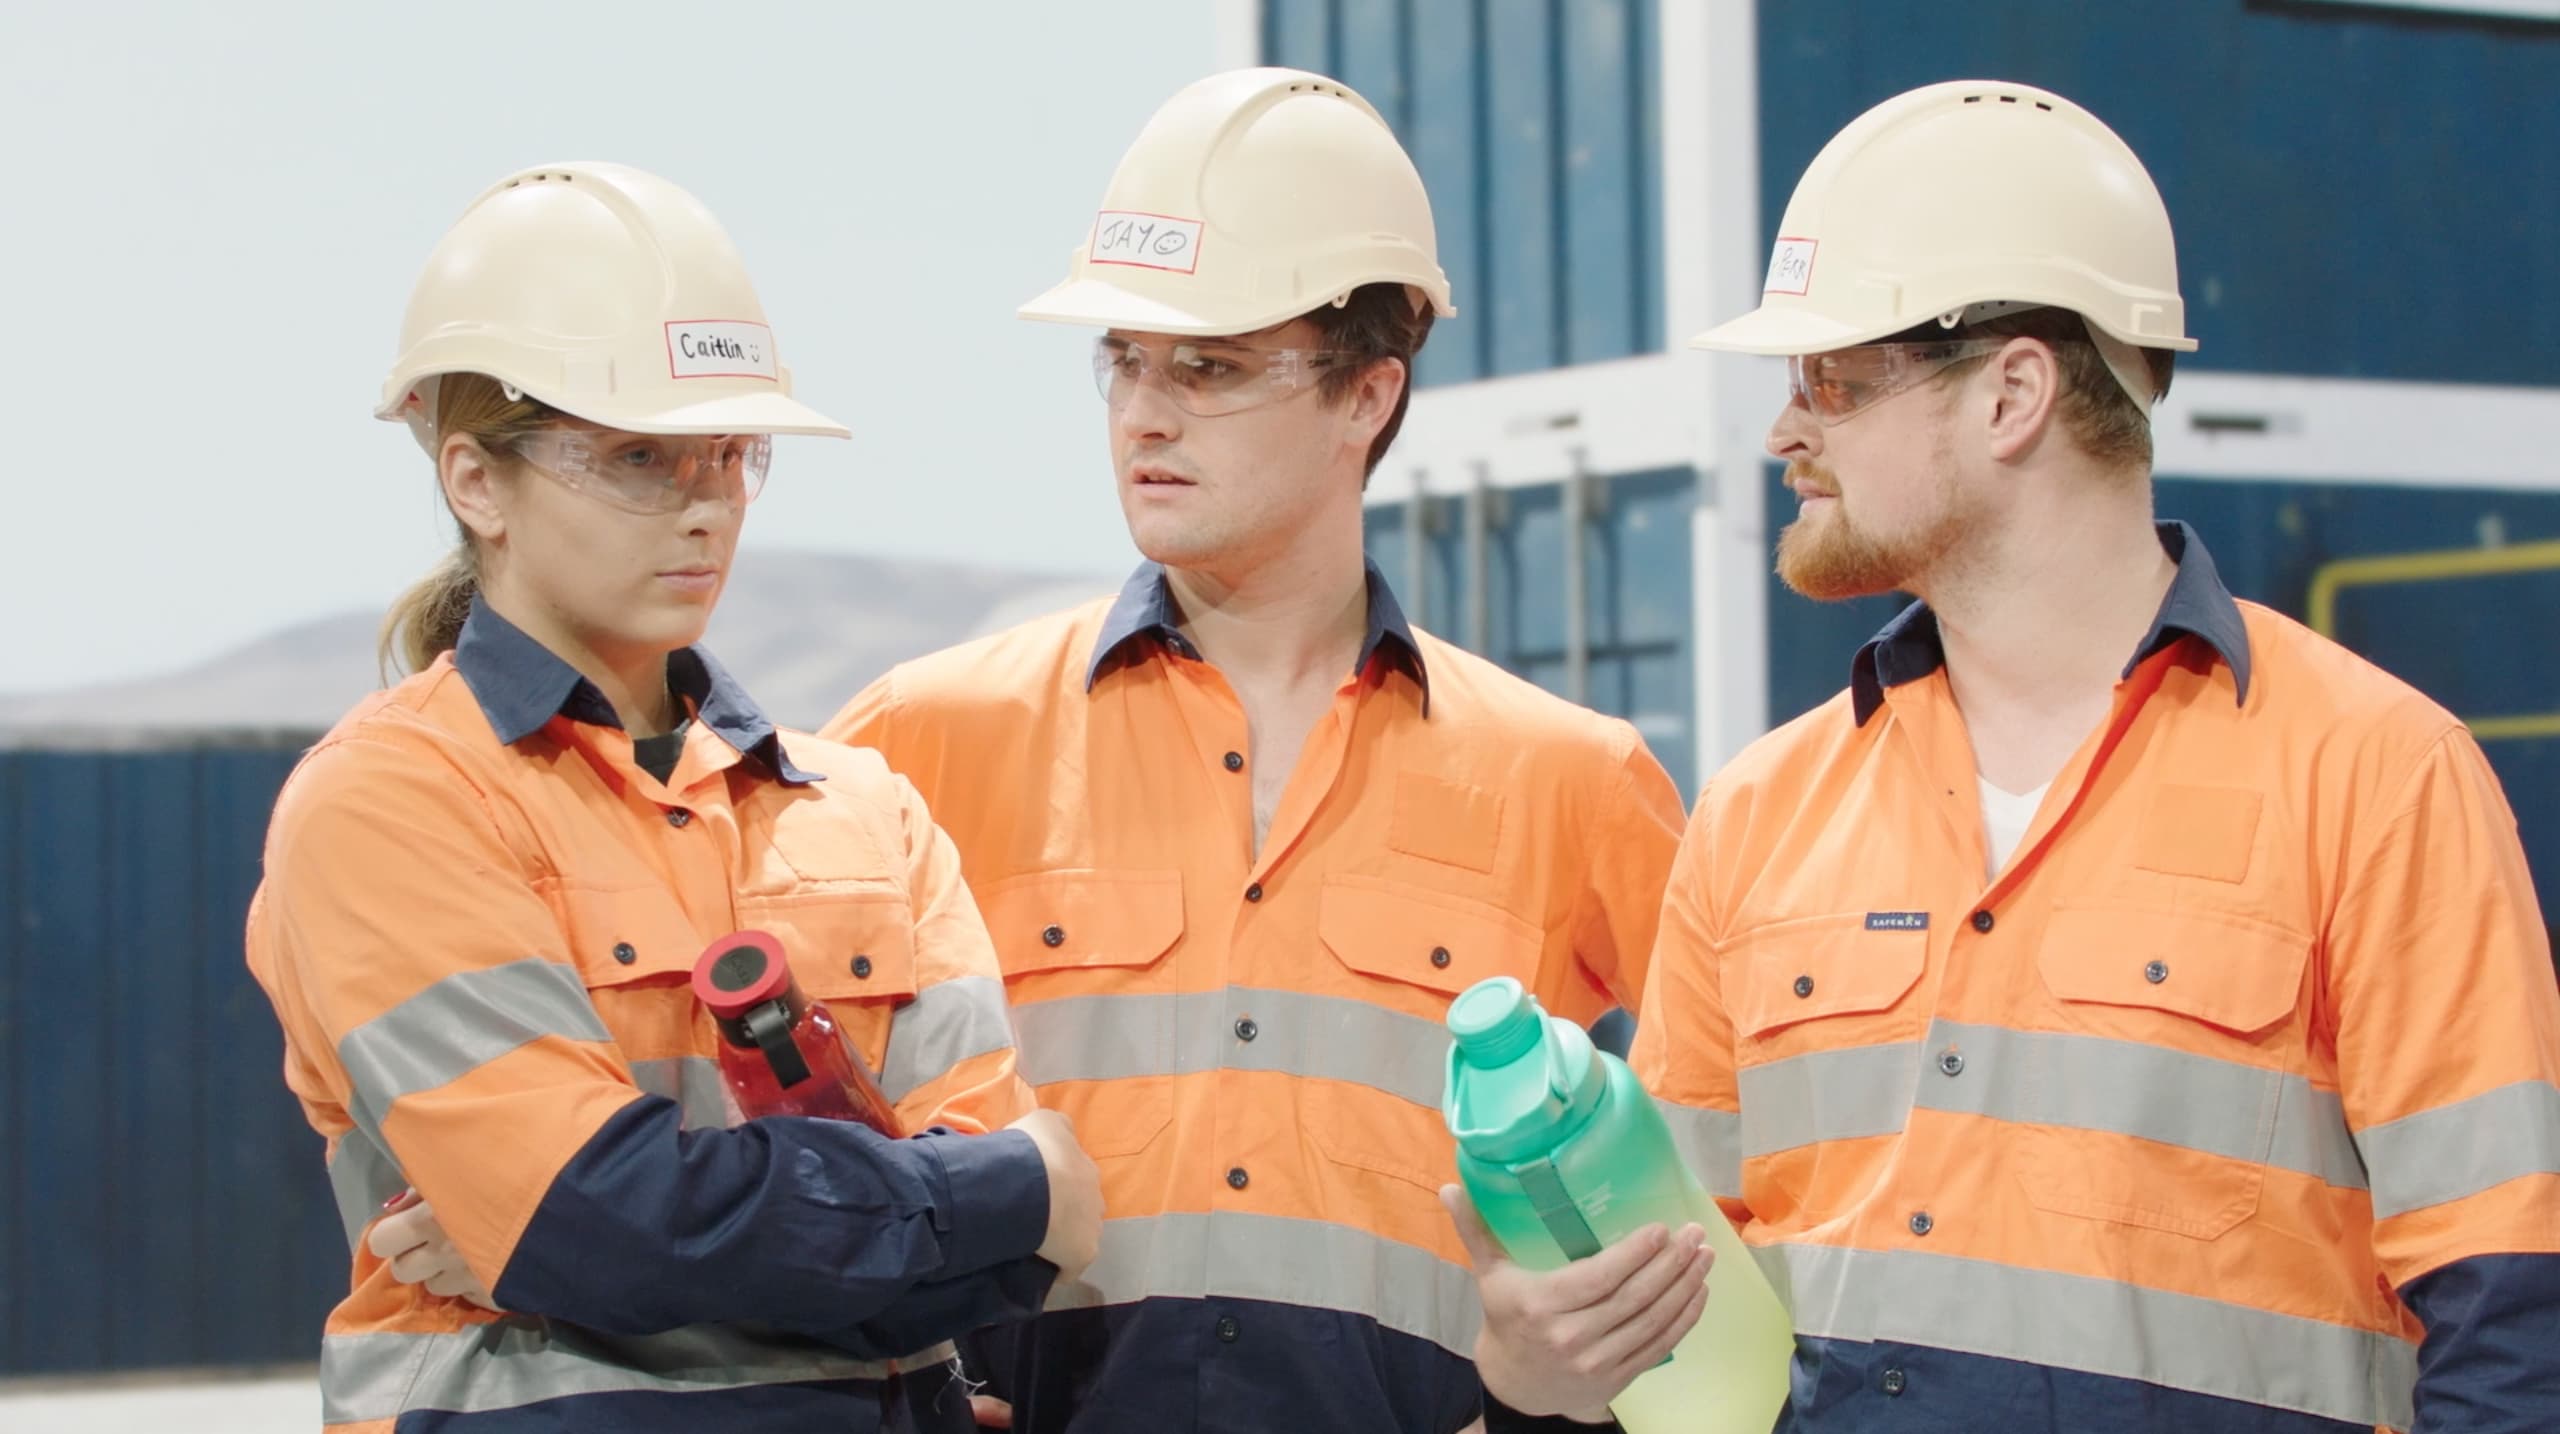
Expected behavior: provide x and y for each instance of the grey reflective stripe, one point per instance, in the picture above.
(2126, 1088)
(512, 1363)
(1828, 1095)
(362, 1175)
(1270, 1257)
(2051, 1078)
(2102, 1327)
(944, 1025)
(2441, 1155)
(1326, 1037)
(459, 1024)
(694, 1084)
(1710, 1143)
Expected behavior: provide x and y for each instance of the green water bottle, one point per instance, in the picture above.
(1563, 1154)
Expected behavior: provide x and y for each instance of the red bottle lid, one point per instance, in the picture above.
(740, 972)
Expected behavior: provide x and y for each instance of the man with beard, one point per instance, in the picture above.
(2121, 1009)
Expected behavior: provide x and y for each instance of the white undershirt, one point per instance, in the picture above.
(2005, 819)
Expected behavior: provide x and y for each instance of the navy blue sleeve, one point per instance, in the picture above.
(807, 1225)
(2490, 1363)
(950, 1309)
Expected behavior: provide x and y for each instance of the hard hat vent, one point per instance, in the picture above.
(2009, 100)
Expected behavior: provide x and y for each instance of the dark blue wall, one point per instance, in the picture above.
(162, 1202)
(1535, 128)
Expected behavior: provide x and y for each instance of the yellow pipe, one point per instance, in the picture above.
(2419, 567)
(2430, 567)
(2491, 729)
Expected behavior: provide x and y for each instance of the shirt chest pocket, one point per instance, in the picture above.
(1826, 1052)
(1371, 1031)
(853, 950)
(634, 949)
(1089, 972)
(2174, 1080)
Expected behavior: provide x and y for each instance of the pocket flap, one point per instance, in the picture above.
(1422, 937)
(2237, 975)
(1827, 966)
(1068, 920)
(625, 936)
(842, 947)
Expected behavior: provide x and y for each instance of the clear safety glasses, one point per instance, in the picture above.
(1838, 384)
(652, 472)
(1208, 377)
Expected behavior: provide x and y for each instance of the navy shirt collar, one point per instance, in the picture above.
(1145, 611)
(520, 685)
(2197, 605)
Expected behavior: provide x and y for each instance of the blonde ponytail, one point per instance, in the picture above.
(427, 620)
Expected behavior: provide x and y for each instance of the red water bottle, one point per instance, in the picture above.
(782, 1053)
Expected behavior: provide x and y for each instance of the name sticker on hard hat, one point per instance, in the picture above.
(1790, 267)
(1147, 241)
(720, 348)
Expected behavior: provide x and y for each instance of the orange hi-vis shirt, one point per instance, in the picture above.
(2243, 1075)
(478, 922)
(1252, 1046)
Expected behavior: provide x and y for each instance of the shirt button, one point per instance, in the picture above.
(1952, 1063)
(678, 816)
(1893, 1383)
(1804, 986)
(1982, 921)
(1054, 936)
(2156, 972)
(623, 952)
(862, 968)
(1235, 761)
(1921, 1224)
(1246, 1030)
(1253, 892)
(1237, 1179)
(1440, 956)
(1227, 1329)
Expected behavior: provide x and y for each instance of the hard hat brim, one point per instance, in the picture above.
(1102, 305)
(1768, 330)
(737, 413)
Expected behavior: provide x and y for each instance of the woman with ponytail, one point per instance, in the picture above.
(487, 887)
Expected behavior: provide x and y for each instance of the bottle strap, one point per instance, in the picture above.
(1556, 1209)
(769, 1026)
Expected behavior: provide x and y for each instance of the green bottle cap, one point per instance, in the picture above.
(1495, 1021)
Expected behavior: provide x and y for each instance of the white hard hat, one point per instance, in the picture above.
(1250, 198)
(1963, 200)
(606, 293)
